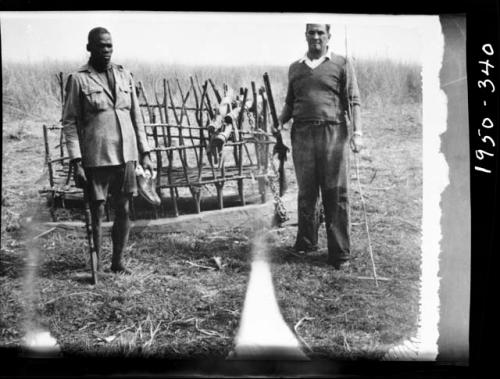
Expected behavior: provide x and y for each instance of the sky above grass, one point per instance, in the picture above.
(207, 38)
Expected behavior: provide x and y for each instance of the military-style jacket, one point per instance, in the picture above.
(101, 129)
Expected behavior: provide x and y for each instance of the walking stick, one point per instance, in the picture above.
(88, 229)
(88, 215)
(356, 163)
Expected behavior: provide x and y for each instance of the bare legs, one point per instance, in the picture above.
(119, 232)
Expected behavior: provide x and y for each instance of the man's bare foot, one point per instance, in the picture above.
(120, 269)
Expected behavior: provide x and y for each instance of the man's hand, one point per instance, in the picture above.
(281, 150)
(79, 174)
(146, 163)
(282, 125)
(356, 142)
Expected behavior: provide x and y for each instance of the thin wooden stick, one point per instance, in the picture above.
(150, 111)
(159, 163)
(169, 153)
(256, 123)
(187, 118)
(168, 125)
(162, 116)
(195, 192)
(240, 149)
(196, 101)
(206, 97)
(204, 94)
(200, 266)
(71, 294)
(265, 128)
(379, 278)
(296, 327)
(216, 91)
(47, 155)
(199, 119)
(44, 233)
(179, 127)
(366, 220)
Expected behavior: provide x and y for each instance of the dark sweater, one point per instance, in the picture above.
(320, 93)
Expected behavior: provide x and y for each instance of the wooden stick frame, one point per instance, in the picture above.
(177, 123)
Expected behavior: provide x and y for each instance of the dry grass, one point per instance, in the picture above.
(178, 303)
(352, 318)
(381, 83)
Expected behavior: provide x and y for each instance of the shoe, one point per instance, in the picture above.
(307, 249)
(338, 264)
(146, 186)
(300, 253)
(296, 253)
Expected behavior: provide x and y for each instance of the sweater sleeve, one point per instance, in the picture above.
(290, 97)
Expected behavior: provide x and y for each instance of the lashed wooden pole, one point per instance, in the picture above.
(265, 147)
(163, 117)
(240, 149)
(216, 91)
(195, 192)
(169, 153)
(256, 125)
(183, 111)
(202, 104)
(199, 120)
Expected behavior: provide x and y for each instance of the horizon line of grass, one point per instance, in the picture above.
(80, 62)
(32, 88)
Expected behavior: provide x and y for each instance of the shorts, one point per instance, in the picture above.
(116, 180)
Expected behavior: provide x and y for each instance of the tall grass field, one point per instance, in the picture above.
(31, 90)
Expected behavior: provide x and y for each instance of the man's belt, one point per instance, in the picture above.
(316, 122)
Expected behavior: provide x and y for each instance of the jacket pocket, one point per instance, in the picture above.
(96, 98)
(125, 96)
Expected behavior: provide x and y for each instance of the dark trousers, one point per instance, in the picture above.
(321, 160)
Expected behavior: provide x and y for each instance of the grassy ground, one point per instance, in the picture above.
(178, 303)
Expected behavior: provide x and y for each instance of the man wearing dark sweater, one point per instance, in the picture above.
(322, 94)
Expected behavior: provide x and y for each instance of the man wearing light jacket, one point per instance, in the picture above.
(322, 89)
(105, 138)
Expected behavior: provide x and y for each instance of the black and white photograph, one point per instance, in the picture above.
(235, 186)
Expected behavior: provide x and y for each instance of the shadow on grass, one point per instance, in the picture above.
(199, 249)
(287, 255)
(11, 266)
(52, 268)
(85, 276)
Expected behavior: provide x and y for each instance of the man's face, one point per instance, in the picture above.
(101, 48)
(317, 38)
